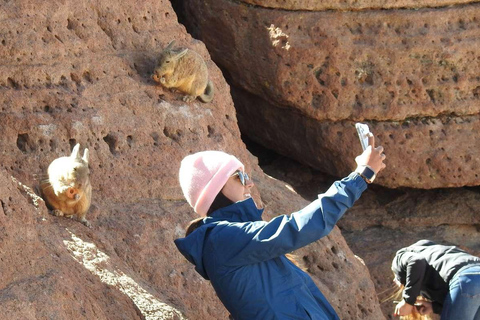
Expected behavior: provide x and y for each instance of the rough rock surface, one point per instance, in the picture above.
(79, 72)
(320, 5)
(411, 74)
(40, 280)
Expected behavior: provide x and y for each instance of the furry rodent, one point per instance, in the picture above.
(67, 190)
(184, 70)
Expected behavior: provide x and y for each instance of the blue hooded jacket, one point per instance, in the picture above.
(243, 256)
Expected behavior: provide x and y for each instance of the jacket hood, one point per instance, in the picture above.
(191, 247)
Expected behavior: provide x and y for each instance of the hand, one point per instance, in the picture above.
(424, 307)
(403, 309)
(372, 157)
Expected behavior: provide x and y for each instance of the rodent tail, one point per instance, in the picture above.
(207, 95)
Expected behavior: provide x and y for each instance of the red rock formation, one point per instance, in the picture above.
(410, 74)
(79, 72)
(320, 5)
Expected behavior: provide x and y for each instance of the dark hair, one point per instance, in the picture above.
(219, 202)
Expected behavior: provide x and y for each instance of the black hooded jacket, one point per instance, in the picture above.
(426, 268)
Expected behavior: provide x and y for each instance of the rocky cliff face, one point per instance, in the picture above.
(304, 77)
(79, 72)
(303, 72)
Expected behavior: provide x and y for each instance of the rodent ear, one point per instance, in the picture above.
(181, 54)
(169, 46)
(85, 155)
(75, 151)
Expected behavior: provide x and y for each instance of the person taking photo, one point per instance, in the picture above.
(244, 256)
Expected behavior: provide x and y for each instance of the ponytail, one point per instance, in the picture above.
(293, 259)
(192, 225)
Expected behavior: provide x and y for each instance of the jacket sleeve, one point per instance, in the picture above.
(416, 267)
(245, 243)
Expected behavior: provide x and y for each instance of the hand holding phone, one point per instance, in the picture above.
(370, 162)
(417, 304)
(363, 133)
(423, 307)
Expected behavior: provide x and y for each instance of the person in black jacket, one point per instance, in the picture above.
(447, 277)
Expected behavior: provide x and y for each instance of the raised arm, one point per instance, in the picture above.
(250, 242)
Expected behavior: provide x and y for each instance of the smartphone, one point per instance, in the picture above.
(363, 133)
(416, 305)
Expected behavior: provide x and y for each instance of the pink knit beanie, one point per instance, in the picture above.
(203, 174)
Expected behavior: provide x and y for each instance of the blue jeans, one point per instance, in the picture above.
(463, 300)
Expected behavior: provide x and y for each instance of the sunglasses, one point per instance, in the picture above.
(242, 176)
